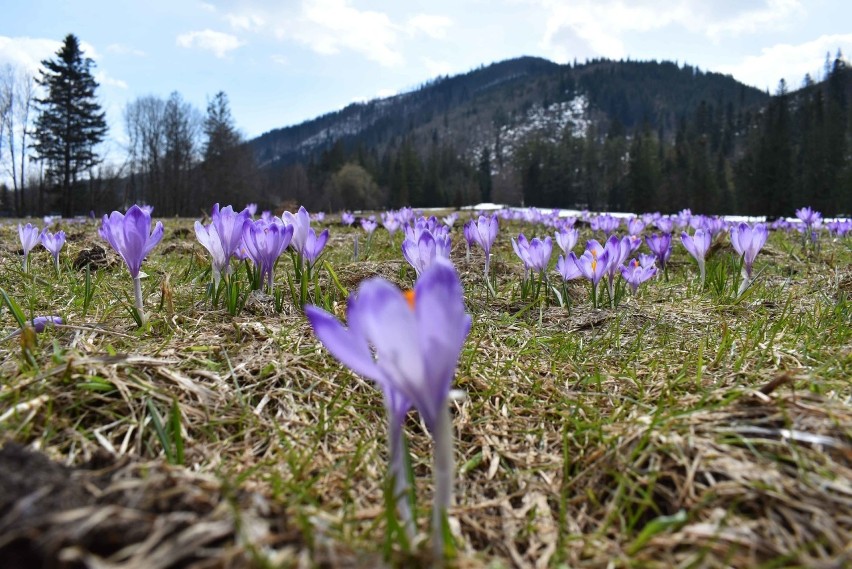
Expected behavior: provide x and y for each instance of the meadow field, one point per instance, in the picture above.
(687, 426)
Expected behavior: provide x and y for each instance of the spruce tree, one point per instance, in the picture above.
(229, 166)
(70, 123)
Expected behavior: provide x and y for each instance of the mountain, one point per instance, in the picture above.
(499, 105)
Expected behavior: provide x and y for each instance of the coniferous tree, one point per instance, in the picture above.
(643, 176)
(228, 164)
(484, 174)
(70, 123)
(773, 184)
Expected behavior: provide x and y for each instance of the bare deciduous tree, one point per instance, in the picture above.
(143, 119)
(163, 152)
(20, 87)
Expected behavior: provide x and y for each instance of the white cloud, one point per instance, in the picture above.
(27, 53)
(219, 43)
(279, 59)
(601, 26)
(385, 93)
(121, 49)
(773, 15)
(435, 68)
(433, 26)
(331, 26)
(103, 78)
(791, 62)
(249, 22)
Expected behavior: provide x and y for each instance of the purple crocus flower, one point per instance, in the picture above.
(593, 265)
(664, 224)
(29, 236)
(635, 274)
(697, 245)
(661, 247)
(347, 218)
(713, 225)
(635, 242)
(229, 227)
(567, 222)
(696, 221)
(539, 252)
(522, 250)
(390, 222)
(450, 219)
(635, 226)
(647, 260)
(567, 267)
(209, 239)
(422, 224)
(566, 238)
(484, 233)
(314, 245)
(747, 241)
(469, 230)
(812, 220)
(53, 242)
(265, 242)
(839, 227)
(606, 223)
(40, 322)
(423, 253)
(409, 344)
(251, 208)
(223, 237)
(534, 253)
(301, 222)
(809, 216)
(619, 250)
(369, 225)
(131, 237)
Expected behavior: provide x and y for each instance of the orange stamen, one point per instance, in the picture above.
(409, 297)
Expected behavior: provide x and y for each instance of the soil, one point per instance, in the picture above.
(111, 513)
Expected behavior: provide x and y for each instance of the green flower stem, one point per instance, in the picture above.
(400, 478)
(444, 474)
(137, 293)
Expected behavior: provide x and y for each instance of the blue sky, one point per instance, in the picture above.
(282, 62)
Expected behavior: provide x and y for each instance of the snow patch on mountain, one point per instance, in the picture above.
(549, 123)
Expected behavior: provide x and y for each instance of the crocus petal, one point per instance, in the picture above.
(344, 344)
(39, 322)
(153, 239)
(382, 314)
(443, 326)
(567, 267)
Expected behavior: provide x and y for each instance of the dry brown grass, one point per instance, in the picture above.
(678, 430)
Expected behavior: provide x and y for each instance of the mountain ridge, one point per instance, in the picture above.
(468, 110)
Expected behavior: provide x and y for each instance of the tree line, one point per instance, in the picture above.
(715, 157)
(719, 159)
(178, 159)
